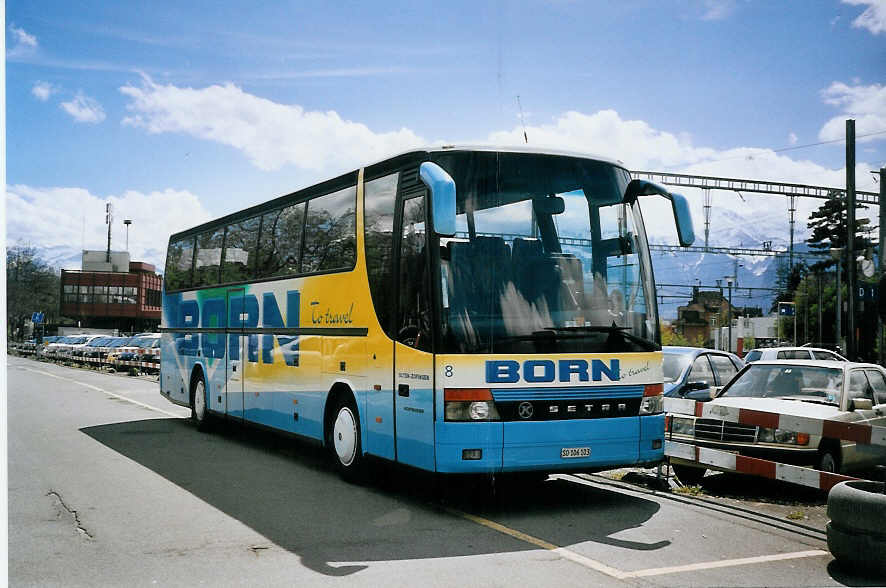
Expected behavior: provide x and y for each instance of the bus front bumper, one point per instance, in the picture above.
(574, 445)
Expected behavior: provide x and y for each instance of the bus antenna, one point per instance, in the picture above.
(522, 122)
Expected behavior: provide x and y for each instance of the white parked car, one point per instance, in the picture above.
(767, 353)
(838, 390)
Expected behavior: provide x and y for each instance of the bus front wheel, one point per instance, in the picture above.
(344, 441)
(199, 412)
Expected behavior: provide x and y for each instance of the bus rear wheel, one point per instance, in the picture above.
(344, 440)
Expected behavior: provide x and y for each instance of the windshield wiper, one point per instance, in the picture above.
(809, 399)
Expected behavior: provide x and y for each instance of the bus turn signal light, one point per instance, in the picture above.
(467, 394)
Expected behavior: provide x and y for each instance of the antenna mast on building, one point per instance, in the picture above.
(109, 219)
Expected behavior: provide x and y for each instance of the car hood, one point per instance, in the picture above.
(668, 386)
(777, 405)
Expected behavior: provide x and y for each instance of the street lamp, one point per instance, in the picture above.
(127, 222)
(837, 253)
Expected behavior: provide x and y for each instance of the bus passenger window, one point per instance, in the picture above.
(179, 258)
(240, 241)
(330, 232)
(208, 258)
(379, 198)
(280, 241)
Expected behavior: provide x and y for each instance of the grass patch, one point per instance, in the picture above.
(796, 515)
(689, 490)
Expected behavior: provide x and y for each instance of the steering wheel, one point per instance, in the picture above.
(409, 335)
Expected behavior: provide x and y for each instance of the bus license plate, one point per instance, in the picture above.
(568, 452)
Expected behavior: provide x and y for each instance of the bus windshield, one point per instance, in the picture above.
(546, 259)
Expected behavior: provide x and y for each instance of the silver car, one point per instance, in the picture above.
(837, 390)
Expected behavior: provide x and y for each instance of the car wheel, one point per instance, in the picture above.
(199, 412)
(688, 475)
(343, 440)
(828, 460)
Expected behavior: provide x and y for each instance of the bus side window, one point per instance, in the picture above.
(330, 232)
(179, 258)
(379, 201)
(239, 254)
(208, 258)
(414, 296)
(279, 246)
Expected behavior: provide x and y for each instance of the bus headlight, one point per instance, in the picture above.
(469, 404)
(653, 400)
(479, 411)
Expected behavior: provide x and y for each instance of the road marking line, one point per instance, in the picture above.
(109, 393)
(725, 563)
(561, 551)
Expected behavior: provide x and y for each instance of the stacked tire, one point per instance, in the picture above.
(857, 530)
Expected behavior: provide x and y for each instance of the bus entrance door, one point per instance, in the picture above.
(414, 406)
(237, 342)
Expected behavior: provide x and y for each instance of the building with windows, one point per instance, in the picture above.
(112, 292)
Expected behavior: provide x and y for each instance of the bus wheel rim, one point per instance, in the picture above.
(200, 400)
(344, 436)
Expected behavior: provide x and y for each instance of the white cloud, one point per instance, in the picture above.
(866, 104)
(84, 109)
(270, 134)
(718, 9)
(42, 91)
(642, 147)
(74, 218)
(792, 139)
(634, 142)
(874, 16)
(22, 39)
(21, 43)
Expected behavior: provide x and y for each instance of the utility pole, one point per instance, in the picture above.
(818, 281)
(109, 220)
(729, 283)
(851, 350)
(837, 253)
(882, 245)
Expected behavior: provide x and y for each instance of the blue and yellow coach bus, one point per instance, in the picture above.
(471, 310)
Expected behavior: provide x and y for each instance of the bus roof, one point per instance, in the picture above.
(350, 178)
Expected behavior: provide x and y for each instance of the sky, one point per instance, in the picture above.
(179, 112)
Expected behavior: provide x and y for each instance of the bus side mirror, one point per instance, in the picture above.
(442, 188)
(683, 218)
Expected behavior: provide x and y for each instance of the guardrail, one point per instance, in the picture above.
(860, 433)
(147, 362)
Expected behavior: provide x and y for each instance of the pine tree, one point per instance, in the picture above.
(828, 225)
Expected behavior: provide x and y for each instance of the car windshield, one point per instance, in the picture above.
(119, 342)
(545, 258)
(800, 382)
(753, 355)
(673, 365)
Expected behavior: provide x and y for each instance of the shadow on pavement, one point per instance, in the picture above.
(852, 577)
(743, 487)
(284, 490)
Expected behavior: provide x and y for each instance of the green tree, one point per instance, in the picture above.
(787, 279)
(32, 285)
(828, 225)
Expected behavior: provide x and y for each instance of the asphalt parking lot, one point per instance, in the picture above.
(111, 484)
